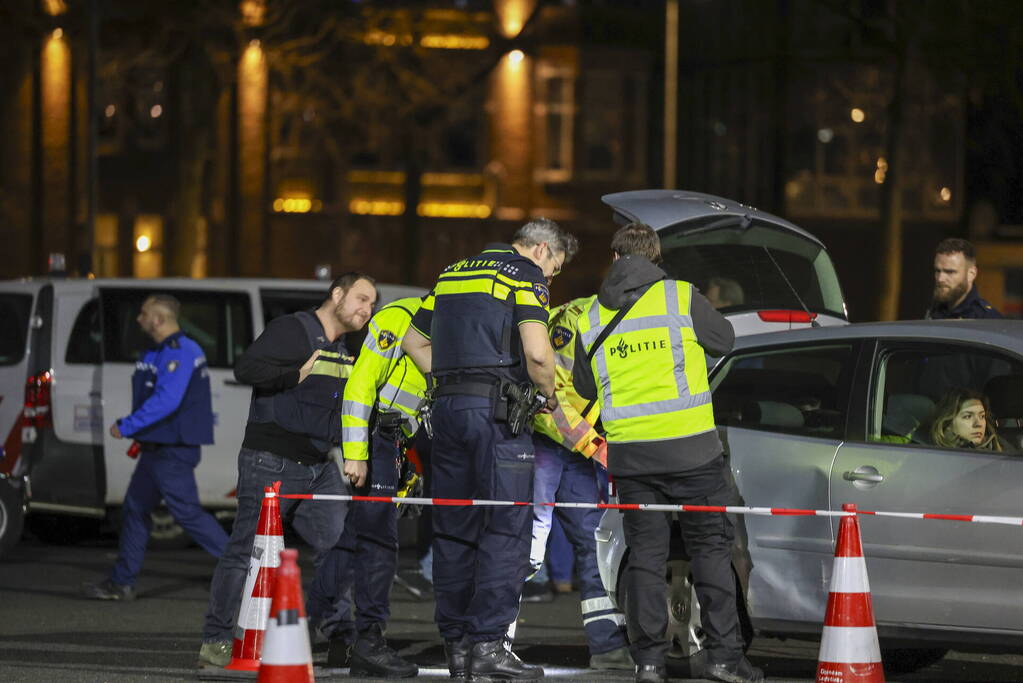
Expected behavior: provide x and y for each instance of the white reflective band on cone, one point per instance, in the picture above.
(253, 618)
(849, 645)
(286, 645)
(850, 576)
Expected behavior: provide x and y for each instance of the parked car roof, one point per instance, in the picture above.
(664, 208)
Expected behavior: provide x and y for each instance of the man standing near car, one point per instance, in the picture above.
(640, 352)
(483, 332)
(955, 293)
(297, 369)
(172, 416)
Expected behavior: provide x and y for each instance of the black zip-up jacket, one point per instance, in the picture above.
(627, 280)
(271, 365)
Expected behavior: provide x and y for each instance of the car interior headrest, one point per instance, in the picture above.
(1005, 392)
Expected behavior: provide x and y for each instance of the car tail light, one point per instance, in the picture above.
(36, 414)
(786, 316)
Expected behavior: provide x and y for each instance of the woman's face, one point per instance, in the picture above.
(970, 422)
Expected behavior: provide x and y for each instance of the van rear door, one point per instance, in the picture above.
(16, 304)
(220, 321)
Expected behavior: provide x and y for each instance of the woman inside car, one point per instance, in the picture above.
(962, 419)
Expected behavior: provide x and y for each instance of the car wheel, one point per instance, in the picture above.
(908, 660)
(12, 517)
(685, 630)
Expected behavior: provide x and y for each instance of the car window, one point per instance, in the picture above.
(803, 390)
(929, 394)
(85, 345)
(757, 267)
(220, 322)
(15, 311)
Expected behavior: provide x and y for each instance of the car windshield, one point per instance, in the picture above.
(752, 268)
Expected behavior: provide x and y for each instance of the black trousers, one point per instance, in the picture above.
(708, 539)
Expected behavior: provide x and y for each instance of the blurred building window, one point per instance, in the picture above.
(612, 137)
(555, 110)
(104, 253)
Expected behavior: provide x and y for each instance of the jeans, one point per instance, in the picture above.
(568, 477)
(708, 538)
(319, 522)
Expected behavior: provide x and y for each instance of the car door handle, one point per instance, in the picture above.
(865, 473)
(95, 394)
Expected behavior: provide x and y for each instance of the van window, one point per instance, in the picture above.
(15, 311)
(278, 302)
(85, 346)
(220, 322)
(761, 266)
(802, 390)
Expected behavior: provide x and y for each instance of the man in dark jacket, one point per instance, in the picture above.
(297, 369)
(955, 294)
(640, 351)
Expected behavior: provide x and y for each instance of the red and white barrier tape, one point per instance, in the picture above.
(654, 507)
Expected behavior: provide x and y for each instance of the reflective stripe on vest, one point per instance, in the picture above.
(621, 397)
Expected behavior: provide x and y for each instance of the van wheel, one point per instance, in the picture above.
(685, 630)
(12, 516)
(167, 534)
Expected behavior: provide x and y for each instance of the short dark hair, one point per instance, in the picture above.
(542, 229)
(344, 282)
(637, 239)
(167, 302)
(953, 245)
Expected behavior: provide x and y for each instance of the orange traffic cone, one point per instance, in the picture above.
(849, 649)
(258, 591)
(287, 657)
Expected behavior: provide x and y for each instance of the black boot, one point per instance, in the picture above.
(457, 652)
(372, 657)
(492, 661)
(339, 653)
(650, 673)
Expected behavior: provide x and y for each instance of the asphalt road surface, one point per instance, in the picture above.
(49, 634)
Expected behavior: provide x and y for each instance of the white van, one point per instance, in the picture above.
(67, 352)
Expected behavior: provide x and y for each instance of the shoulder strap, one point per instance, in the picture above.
(622, 312)
(313, 329)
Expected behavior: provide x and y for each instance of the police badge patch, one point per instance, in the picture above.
(542, 293)
(385, 339)
(560, 337)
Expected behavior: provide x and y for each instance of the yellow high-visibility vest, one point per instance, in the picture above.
(650, 372)
(566, 425)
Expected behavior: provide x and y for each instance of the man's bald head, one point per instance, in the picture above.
(159, 316)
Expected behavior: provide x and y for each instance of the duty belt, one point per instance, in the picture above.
(486, 386)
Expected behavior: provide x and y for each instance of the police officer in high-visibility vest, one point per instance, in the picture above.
(297, 369)
(172, 416)
(483, 333)
(379, 412)
(570, 461)
(640, 351)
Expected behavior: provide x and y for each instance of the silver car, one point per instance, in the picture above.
(820, 417)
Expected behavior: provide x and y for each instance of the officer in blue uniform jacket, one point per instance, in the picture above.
(172, 416)
(482, 329)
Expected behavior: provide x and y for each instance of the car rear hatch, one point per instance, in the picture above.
(16, 302)
(764, 273)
